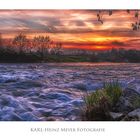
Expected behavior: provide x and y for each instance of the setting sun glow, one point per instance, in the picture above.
(73, 28)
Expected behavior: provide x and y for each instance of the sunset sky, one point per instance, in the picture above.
(74, 28)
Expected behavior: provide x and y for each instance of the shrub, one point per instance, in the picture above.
(97, 106)
(99, 103)
(113, 90)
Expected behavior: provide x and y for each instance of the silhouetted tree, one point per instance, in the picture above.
(42, 44)
(1, 41)
(56, 49)
(20, 41)
(134, 26)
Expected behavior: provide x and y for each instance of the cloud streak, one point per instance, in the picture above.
(73, 27)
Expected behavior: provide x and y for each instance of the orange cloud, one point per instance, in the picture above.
(74, 28)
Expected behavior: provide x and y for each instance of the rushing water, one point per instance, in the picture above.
(54, 91)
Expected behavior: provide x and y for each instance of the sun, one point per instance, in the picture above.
(101, 47)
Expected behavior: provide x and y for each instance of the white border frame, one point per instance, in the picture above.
(70, 4)
(113, 130)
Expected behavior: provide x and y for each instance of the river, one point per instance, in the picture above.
(54, 91)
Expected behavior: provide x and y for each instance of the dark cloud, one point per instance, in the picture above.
(93, 43)
(118, 43)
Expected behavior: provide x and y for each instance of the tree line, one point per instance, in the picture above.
(117, 55)
(44, 49)
(20, 48)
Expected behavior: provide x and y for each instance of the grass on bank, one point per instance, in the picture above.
(99, 103)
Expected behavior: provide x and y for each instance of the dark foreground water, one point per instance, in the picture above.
(30, 92)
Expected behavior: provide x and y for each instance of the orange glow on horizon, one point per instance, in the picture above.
(101, 48)
(85, 47)
(75, 29)
(86, 41)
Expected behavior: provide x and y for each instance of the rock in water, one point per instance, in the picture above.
(129, 101)
(116, 116)
(135, 114)
(135, 84)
